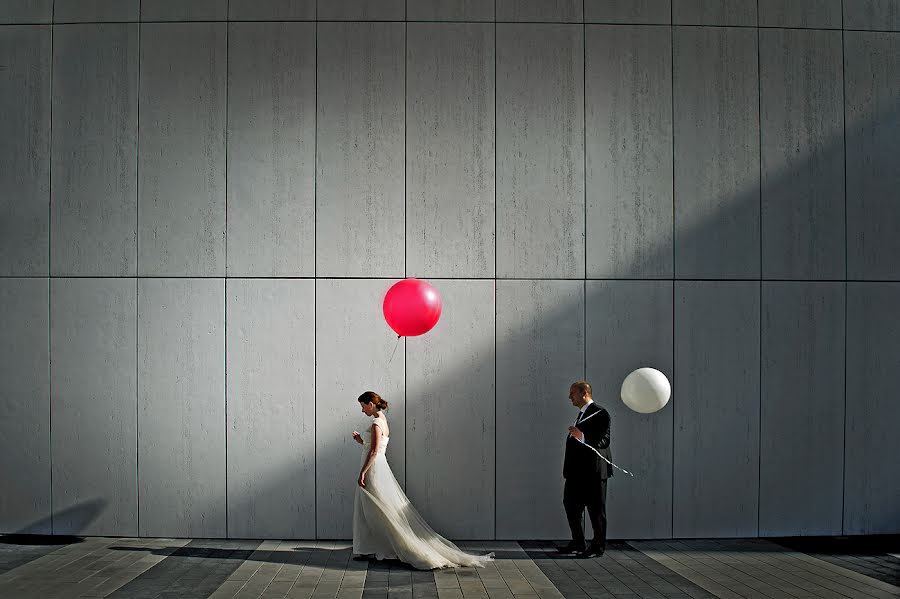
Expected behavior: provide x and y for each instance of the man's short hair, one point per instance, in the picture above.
(584, 387)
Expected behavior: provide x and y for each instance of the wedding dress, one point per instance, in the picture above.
(386, 525)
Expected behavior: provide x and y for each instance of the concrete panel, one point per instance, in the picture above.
(628, 11)
(818, 14)
(802, 193)
(872, 84)
(25, 406)
(24, 150)
(181, 186)
(359, 188)
(93, 11)
(25, 11)
(181, 407)
(93, 341)
(450, 414)
(450, 150)
(742, 13)
(716, 153)
(802, 415)
(272, 10)
(452, 10)
(552, 11)
(271, 149)
(628, 90)
(540, 353)
(179, 10)
(356, 351)
(362, 10)
(881, 15)
(871, 485)
(540, 151)
(629, 326)
(271, 406)
(93, 216)
(716, 448)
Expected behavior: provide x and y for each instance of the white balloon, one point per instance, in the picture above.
(646, 390)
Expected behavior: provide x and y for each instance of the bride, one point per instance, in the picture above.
(385, 524)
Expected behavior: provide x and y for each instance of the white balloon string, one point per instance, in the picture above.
(611, 464)
(602, 457)
(597, 452)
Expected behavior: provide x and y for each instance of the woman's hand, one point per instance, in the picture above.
(358, 438)
(362, 480)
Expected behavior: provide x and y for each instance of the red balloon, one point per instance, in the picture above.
(412, 307)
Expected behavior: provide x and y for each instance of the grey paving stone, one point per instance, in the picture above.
(666, 569)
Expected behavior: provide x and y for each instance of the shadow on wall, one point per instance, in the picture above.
(542, 438)
(78, 517)
(537, 440)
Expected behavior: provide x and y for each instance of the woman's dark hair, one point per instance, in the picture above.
(372, 397)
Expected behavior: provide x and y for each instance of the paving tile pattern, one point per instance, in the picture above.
(857, 568)
(193, 570)
(13, 555)
(871, 556)
(623, 571)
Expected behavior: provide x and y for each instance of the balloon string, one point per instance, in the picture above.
(393, 352)
(611, 464)
(384, 372)
(604, 457)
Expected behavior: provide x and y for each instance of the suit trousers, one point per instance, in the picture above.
(586, 492)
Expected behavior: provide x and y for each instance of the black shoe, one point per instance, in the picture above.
(591, 552)
(570, 549)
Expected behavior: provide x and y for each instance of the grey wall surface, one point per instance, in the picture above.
(94, 168)
(203, 204)
(450, 150)
(716, 448)
(802, 407)
(716, 146)
(540, 151)
(181, 406)
(272, 152)
(25, 150)
(181, 185)
(25, 409)
(628, 128)
(93, 342)
(270, 391)
(451, 374)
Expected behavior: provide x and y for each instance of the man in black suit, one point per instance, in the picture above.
(586, 472)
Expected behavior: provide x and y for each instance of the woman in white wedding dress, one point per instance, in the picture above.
(385, 524)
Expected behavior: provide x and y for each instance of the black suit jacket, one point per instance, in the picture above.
(580, 461)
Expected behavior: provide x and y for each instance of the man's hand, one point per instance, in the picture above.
(576, 432)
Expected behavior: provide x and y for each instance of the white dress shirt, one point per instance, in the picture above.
(580, 414)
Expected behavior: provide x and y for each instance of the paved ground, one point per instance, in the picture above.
(855, 567)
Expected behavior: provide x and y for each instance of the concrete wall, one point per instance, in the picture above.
(709, 187)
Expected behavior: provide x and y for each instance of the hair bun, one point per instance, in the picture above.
(374, 398)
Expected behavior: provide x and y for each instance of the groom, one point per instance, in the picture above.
(586, 472)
